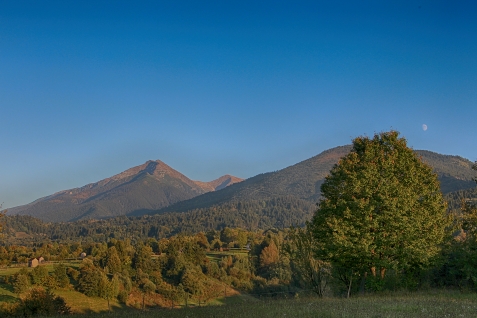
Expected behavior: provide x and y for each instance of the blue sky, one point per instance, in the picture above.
(90, 88)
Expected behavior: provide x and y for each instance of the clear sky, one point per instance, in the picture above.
(89, 89)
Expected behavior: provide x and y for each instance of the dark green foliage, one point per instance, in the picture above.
(311, 273)
(457, 198)
(192, 280)
(21, 283)
(39, 302)
(91, 279)
(123, 296)
(113, 262)
(40, 275)
(460, 266)
(278, 212)
(382, 209)
(142, 258)
(60, 275)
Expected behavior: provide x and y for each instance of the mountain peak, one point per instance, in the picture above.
(218, 184)
(146, 187)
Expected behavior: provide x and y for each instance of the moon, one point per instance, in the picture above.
(424, 127)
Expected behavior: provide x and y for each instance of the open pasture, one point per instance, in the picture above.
(408, 305)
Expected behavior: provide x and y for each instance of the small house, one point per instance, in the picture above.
(33, 263)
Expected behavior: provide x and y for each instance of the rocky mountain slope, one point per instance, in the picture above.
(150, 186)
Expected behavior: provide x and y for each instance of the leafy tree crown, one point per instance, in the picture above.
(382, 208)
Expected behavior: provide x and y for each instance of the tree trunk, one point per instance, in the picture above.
(362, 285)
(349, 288)
(373, 271)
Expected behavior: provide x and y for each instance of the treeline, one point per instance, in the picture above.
(198, 268)
(179, 269)
(280, 212)
(456, 199)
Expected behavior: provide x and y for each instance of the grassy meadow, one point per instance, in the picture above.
(429, 304)
(433, 303)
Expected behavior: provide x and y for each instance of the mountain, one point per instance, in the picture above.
(303, 180)
(219, 183)
(455, 173)
(273, 199)
(150, 186)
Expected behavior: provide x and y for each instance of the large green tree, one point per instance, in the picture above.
(382, 209)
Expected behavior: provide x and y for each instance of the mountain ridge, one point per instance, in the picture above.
(151, 185)
(156, 188)
(303, 180)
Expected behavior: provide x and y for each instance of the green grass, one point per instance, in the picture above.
(439, 303)
(407, 305)
(217, 256)
(81, 303)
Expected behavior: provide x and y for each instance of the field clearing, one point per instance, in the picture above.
(406, 305)
(433, 303)
(81, 304)
(217, 256)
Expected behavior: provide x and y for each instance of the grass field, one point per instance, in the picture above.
(217, 256)
(408, 305)
(438, 303)
(78, 302)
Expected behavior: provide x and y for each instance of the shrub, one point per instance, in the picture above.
(39, 302)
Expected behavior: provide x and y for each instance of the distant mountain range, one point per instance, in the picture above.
(150, 186)
(303, 180)
(155, 188)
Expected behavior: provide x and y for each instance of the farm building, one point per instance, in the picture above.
(33, 263)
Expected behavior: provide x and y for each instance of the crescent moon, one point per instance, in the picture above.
(424, 127)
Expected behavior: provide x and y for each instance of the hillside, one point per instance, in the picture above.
(303, 180)
(454, 172)
(152, 185)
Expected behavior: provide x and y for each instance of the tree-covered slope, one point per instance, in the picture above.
(280, 212)
(454, 172)
(303, 180)
(155, 188)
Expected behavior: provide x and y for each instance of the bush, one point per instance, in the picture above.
(21, 283)
(123, 296)
(37, 302)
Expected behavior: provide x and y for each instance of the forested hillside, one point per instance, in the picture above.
(303, 180)
(457, 198)
(454, 172)
(155, 188)
(281, 212)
